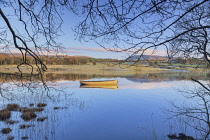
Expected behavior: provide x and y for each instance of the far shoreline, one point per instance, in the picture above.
(99, 68)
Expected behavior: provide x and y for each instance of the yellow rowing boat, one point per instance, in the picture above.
(100, 86)
(105, 82)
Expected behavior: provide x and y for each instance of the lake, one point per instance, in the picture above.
(139, 108)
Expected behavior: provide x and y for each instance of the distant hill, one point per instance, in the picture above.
(147, 57)
(82, 56)
(136, 57)
(19, 54)
(11, 54)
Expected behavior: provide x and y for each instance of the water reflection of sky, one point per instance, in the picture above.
(125, 84)
(132, 112)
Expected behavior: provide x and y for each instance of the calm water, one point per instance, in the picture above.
(136, 110)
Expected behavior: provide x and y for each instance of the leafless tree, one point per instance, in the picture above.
(122, 26)
(182, 27)
(11, 88)
(139, 25)
(194, 113)
(179, 26)
(135, 26)
(32, 26)
(195, 42)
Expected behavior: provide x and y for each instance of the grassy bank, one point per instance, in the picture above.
(99, 68)
(89, 68)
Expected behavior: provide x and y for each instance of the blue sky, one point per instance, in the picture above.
(90, 48)
(73, 46)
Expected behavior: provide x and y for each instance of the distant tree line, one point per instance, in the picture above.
(66, 60)
(50, 60)
(190, 61)
(8, 59)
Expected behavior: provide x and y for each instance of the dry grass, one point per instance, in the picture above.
(11, 122)
(26, 126)
(6, 130)
(27, 116)
(41, 119)
(102, 68)
(4, 114)
(13, 107)
(25, 109)
(41, 105)
(99, 68)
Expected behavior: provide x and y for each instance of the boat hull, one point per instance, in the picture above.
(108, 82)
(113, 86)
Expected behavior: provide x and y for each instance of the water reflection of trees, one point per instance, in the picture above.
(195, 112)
(169, 76)
(150, 76)
(14, 86)
(52, 77)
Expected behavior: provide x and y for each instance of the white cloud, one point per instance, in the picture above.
(156, 52)
(88, 49)
(147, 52)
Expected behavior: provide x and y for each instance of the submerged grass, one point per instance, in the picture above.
(27, 116)
(11, 122)
(41, 105)
(13, 107)
(41, 119)
(4, 114)
(6, 130)
(25, 126)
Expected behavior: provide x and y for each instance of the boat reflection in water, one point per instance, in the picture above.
(107, 84)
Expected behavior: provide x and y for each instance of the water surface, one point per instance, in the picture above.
(136, 110)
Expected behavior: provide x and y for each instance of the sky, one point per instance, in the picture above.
(90, 48)
(74, 47)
